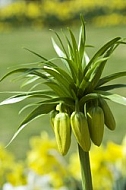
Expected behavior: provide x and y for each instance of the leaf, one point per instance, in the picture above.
(40, 110)
(28, 106)
(87, 97)
(111, 87)
(85, 60)
(58, 89)
(59, 52)
(14, 99)
(44, 108)
(23, 95)
(113, 97)
(96, 73)
(30, 80)
(73, 69)
(111, 77)
(82, 39)
(75, 57)
(101, 51)
(61, 43)
(36, 54)
(25, 71)
(60, 78)
(64, 74)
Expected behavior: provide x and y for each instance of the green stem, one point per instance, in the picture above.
(85, 169)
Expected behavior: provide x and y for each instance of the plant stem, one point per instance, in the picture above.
(85, 169)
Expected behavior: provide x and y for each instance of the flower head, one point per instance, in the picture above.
(77, 85)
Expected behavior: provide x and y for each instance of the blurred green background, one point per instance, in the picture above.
(29, 27)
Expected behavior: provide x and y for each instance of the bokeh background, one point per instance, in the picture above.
(26, 23)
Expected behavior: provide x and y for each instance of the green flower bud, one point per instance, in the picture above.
(95, 118)
(80, 129)
(62, 132)
(108, 116)
(52, 117)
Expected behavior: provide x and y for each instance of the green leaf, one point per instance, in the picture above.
(44, 108)
(74, 43)
(96, 72)
(87, 97)
(30, 80)
(113, 97)
(73, 69)
(61, 78)
(25, 71)
(82, 39)
(59, 52)
(66, 76)
(111, 77)
(38, 55)
(14, 99)
(111, 87)
(101, 51)
(58, 89)
(61, 43)
(24, 95)
(40, 110)
(85, 61)
(46, 61)
(75, 50)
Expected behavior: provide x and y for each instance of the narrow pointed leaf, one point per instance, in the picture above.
(87, 97)
(40, 110)
(58, 77)
(24, 95)
(75, 49)
(25, 71)
(22, 70)
(102, 50)
(113, 97)
(14, 99)
(44, 108)
(29, 81)
(58, 89)
(96, 73)
(59, 52)
(82, 39)
(38, 55)
(61, 43)
(111, 87)
(111, 77)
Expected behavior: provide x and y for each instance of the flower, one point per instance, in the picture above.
(76, 87)
(43, 159)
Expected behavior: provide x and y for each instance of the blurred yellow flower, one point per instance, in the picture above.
(6, 160)
(74, 166)
(45, 159)
(113, 152)
(39, 158)
(33, 10)
(101, 13)
(17, 174)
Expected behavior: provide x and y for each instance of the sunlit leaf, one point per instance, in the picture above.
(58, 89)
(14, 99)
(58, 78)
(59, 52)
(102, 50)
(40, 110)
(111, 87)
(23, 95)
(61, 43)
(111, 77)
(113, 97)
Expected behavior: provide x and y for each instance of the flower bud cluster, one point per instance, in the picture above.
(85, 127)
